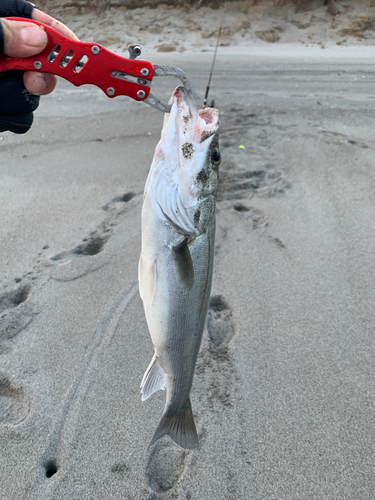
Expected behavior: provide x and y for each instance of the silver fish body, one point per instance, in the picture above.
(175, 268)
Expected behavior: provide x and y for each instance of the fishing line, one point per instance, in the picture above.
(213, 62)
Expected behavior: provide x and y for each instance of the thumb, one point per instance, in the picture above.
(22, 39)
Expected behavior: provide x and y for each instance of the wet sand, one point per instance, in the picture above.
(283, 395)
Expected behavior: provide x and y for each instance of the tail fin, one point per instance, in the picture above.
(180, 427)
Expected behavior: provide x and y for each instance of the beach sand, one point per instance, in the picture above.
(283, 395)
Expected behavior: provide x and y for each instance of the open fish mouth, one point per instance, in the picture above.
(185, 164)
(183, 154)
(187, 124)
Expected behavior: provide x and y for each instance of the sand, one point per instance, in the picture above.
(167, 29)
(283, 395)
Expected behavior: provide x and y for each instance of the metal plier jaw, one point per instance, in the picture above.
(169, 71)
(89, 63)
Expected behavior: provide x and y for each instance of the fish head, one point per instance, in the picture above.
(189, 147)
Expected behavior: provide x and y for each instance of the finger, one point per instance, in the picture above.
(22, 39)
(39, 83)
(42, 17)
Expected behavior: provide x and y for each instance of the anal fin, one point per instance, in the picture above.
(153, 380)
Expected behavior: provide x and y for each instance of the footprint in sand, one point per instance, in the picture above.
(236, 185)
(77, 258)
(91, 247)
(220, 325)
(164, 467)
(10, 300)
(256, 216)
(118, 201)
(215, 367)
(15, 404)
(15, 315)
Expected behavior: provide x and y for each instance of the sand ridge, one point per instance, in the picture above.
(244, 25)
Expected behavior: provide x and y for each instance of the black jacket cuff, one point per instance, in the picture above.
(13, 8)
(16, 8)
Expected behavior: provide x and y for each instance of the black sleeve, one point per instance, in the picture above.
(13, 8)
(16, 104)
(16, 8)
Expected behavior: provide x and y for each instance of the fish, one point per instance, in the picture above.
(176, 261)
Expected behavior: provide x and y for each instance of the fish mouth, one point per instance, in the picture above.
(181, 172)
(192, 124)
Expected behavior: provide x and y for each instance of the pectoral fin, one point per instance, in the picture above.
(183, 264)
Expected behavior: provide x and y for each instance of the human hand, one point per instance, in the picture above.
(19, 90)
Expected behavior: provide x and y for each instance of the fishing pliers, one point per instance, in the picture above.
(89, 63)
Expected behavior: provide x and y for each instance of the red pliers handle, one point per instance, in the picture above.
(89, 63)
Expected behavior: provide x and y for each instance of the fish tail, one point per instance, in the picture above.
(180, 427)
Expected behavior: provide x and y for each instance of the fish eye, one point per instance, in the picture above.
(216, 156)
